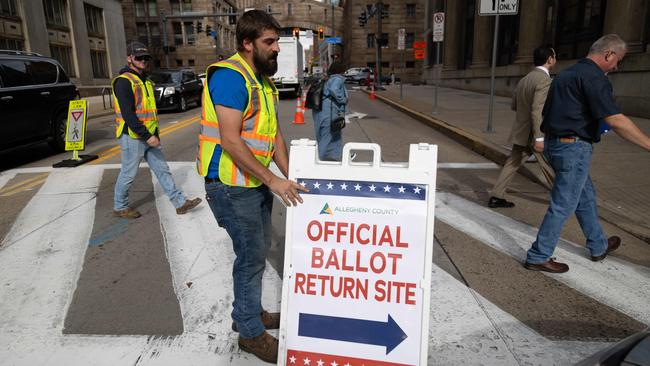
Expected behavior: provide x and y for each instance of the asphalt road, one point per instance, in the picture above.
(133, 278)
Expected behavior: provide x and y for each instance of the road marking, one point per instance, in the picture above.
(468, 166)
(23, 185)
(614, 282)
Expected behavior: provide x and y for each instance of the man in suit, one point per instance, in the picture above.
(526, 137)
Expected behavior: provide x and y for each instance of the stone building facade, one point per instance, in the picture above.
(362, 41)
(191, 49)
(85, 36)
(570, 26)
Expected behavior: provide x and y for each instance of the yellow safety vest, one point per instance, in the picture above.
(259, 126)
(145, 105)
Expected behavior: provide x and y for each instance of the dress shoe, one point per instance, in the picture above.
(127, 213)
(548, 266)
(188, 205)
(264, 346)
(612, 244)
(495, 202)
(270, 321)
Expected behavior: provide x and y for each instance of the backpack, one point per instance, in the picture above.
(314, 98)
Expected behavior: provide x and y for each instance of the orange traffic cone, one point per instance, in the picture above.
(299, 118)
(372, 95)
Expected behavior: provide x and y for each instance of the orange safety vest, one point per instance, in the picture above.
(258, 130)
(145, 105)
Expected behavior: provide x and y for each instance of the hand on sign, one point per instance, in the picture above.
(287, 190)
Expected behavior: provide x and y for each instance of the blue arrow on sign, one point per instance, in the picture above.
(387, 334)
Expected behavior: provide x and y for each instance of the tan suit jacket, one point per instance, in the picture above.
(528, 101)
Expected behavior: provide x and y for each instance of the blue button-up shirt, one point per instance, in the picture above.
(578, 100)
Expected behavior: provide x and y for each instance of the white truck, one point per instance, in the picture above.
(289, 76)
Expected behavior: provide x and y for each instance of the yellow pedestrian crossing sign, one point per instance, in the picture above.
(75, 132)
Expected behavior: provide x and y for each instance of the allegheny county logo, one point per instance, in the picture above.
(326, 210)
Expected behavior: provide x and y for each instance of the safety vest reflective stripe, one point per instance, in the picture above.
(259, 126)
(144, 105)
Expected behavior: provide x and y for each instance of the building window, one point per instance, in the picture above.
(190, 62)
(179, 6)
(179, 62)
(11, 44)
(309, 9)
(154, 32)
(410, 64)
(94, 20)
(370, 40)
(178, 33)
(141, 30)
(189, 33)
(8, 7)
(408, 40)
(139, 8)
(410, 10)
(384, 40)
(289, 9)
(55, 12)
(98, 60)
(152, 8)
(63, 54)
(269, 9)
(578, 24)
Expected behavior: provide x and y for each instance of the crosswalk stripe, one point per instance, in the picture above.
(614, 282)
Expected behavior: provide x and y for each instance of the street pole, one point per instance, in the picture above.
(494, 61)
(379, 8)
(165, 48)
(401, 82)
(436, 68)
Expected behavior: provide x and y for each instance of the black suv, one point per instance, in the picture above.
(174, 89)
(34, 96)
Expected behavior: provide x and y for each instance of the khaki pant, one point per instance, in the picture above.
(517, 158)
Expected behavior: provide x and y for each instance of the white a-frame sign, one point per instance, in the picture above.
(358, 251)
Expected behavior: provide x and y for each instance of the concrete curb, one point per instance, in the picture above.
(499, 155)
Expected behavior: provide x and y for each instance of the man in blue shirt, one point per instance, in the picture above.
(579, 98)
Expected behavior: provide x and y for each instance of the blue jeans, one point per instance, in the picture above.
(133, 150)
(572, 192)
(245, 213)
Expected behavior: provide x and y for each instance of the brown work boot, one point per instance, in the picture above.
(188, 205)
(270, 321)
(264, 346)
(127, 213)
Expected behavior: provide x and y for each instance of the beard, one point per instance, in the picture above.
(265, 65)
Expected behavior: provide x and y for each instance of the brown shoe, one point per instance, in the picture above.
(612, 244)
(127, 213)
(270, 321)
(264, 346)
(188, 205)
(549, 266)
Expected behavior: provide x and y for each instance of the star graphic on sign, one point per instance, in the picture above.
(292, 359)
(387, 188)
(330, 185)
(307, 361)
(401, 189)
(372, 188)
(334, 363)
(416, 190)
(320, 362)
(344, 187)
(357, 187)
(348, 364)
(316, 185)
(303, 184)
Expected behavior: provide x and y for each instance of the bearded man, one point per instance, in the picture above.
(239, 137)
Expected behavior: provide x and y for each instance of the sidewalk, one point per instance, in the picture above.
(618, 170)
(98, 107)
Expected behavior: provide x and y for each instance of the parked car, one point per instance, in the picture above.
(175, 89)
(356, 74)
(35, 92)
(385, 79)
(202, 78)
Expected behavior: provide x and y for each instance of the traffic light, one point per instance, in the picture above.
(232, 19)
(363, 19)
(208, 30)
(199, 27)
(321, 33)
(296, 32)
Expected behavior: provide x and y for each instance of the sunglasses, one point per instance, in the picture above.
(142, 58)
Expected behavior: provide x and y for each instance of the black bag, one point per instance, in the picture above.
(314, 98)
(337, 124)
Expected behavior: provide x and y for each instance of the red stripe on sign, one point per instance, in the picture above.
(302, 358)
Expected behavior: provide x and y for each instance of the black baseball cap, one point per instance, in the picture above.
(137, 49)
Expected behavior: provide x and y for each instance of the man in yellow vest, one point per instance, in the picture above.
(239, 137)
(137, 131)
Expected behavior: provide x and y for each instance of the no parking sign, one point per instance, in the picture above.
(358, 259)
